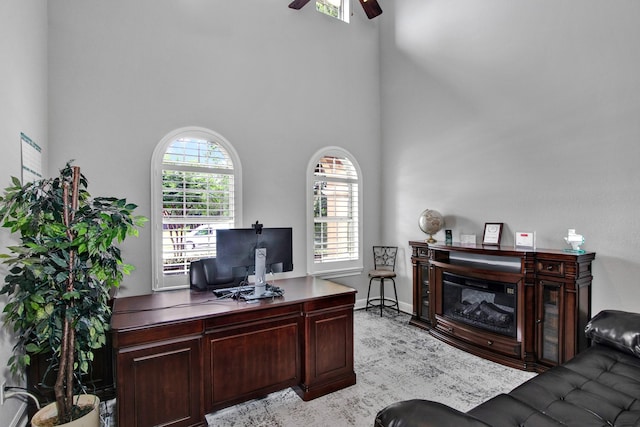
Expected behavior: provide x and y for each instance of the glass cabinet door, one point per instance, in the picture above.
(549, 321)
(424, 292)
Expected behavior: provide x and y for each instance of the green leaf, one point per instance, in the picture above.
(32, 348)
(37, 298)
(71, 295)
(127, 268)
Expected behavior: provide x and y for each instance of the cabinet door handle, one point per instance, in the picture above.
(549, 267)
(538, 321)
(489, 342)
(450, 329)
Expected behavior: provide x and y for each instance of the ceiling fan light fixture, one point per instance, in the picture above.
(371, 8)
(298, 4)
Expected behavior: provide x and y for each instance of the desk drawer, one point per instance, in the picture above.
(250, 316)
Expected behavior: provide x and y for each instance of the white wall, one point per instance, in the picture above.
(279, 84)
(519, 112)
(23, 91)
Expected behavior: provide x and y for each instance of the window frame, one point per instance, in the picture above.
(160, 282)
(344, 10)
(332, 269)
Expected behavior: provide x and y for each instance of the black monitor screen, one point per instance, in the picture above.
(236, 247)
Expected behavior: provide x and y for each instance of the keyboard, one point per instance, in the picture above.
(246, 292)
(234, 290)
(270, 292)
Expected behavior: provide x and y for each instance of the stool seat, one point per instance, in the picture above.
(384, 259)
(382, 273)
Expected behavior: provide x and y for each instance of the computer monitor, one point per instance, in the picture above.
(236, 247)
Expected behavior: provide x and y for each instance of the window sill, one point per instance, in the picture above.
(338, 273)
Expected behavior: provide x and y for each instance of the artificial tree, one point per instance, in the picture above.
(61, 272)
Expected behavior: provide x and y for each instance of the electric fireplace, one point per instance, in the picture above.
(523, 308)
(484, 304)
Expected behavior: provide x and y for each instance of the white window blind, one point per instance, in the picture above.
(197, 196)
(336, 214)
(335, 210)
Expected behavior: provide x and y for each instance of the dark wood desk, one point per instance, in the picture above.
(182, 354)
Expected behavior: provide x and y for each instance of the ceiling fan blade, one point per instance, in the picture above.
(371, 8)
(298, 4)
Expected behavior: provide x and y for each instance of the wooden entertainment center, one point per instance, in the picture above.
(182, 354)
(544, 324)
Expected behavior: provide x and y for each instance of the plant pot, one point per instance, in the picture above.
(92, 419)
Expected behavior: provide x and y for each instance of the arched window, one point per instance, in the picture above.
(334, 214)
(196, 189)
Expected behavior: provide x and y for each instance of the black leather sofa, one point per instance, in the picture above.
(598, 387)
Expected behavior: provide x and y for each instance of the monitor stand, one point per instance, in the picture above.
(260, 277)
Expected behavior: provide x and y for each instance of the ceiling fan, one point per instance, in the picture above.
(371, 7)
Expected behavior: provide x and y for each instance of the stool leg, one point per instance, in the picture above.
(381, 295)
(395, 291)
(368, 293)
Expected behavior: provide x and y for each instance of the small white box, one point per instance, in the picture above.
(468, 239)
(525, 239)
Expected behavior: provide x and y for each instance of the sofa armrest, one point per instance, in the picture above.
(424, 413)
(618, 329)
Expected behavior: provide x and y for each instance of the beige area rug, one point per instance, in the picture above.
(393, 361)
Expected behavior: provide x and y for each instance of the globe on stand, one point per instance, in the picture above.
(430, 222)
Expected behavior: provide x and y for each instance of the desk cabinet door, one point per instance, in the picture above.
(160, 385)
(251, 360)
(328, 351)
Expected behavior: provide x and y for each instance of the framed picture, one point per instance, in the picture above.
(492, 233)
